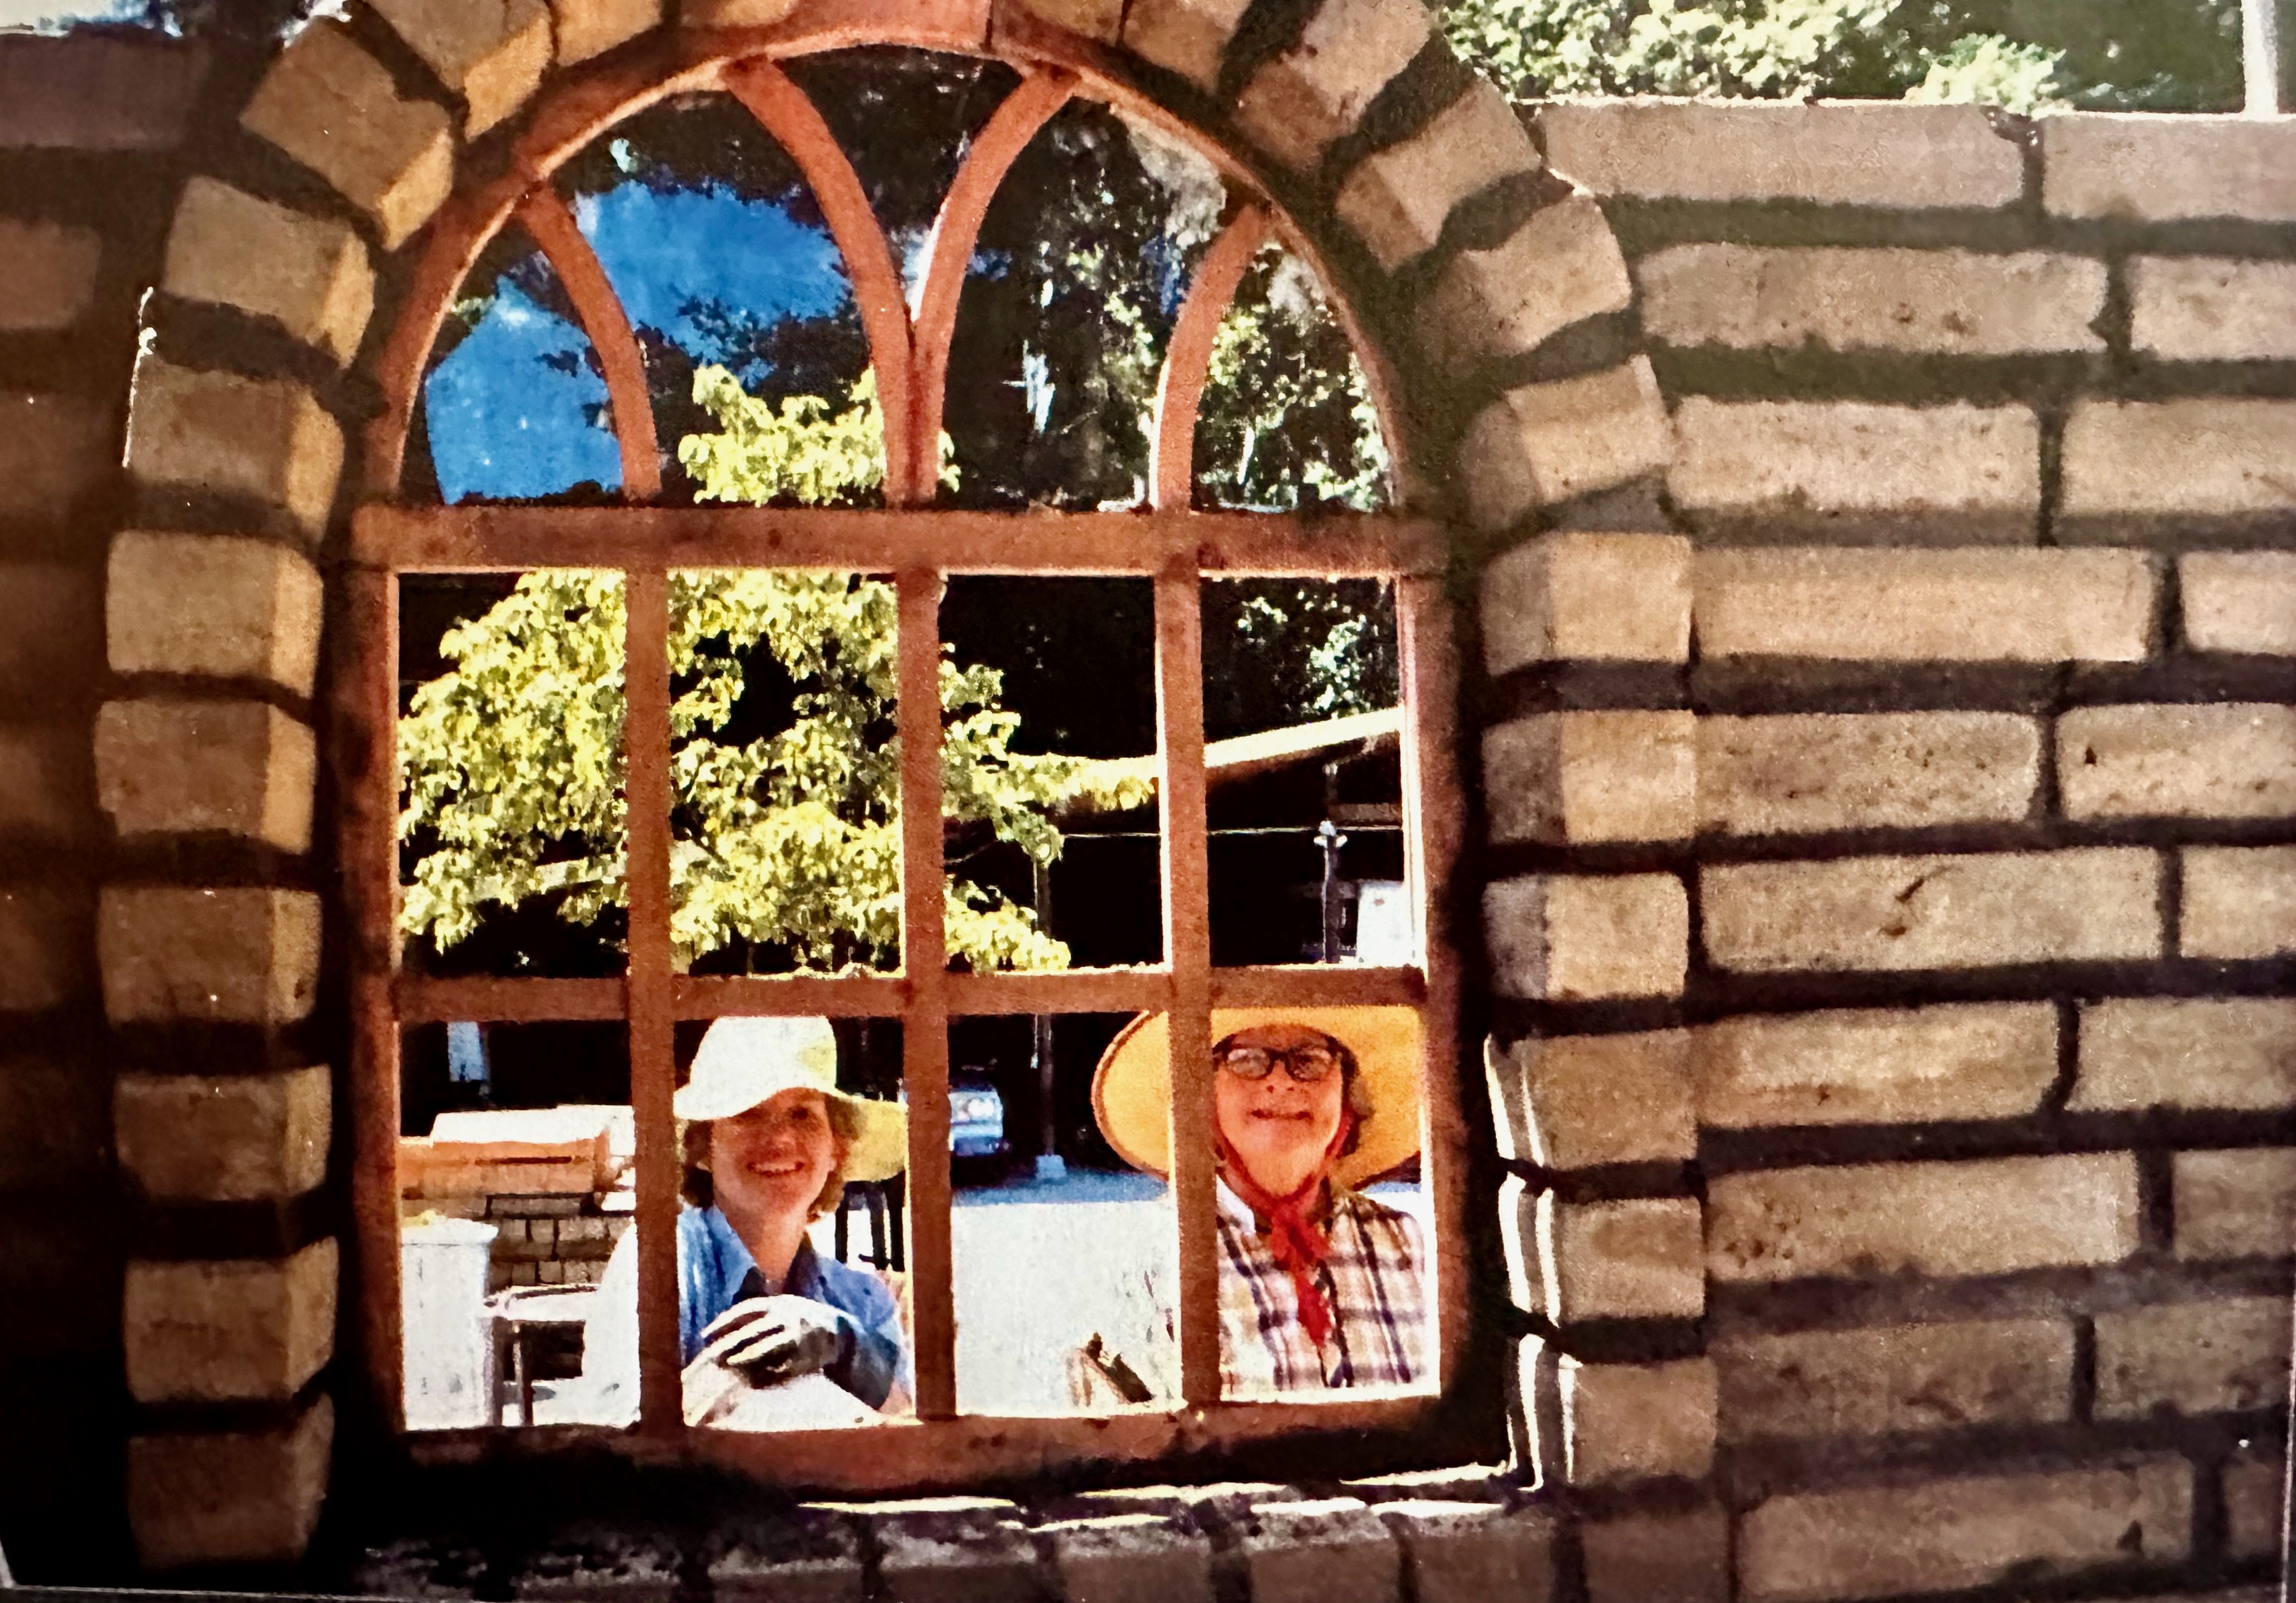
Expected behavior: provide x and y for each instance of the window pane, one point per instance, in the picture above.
(513, 773)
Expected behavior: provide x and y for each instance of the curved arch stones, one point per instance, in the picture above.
(1416, 182)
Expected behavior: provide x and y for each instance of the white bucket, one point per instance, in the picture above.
(449, 1336)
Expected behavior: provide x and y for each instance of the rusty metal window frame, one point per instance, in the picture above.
(1168, 544)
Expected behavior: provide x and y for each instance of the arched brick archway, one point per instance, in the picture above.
(386, 150)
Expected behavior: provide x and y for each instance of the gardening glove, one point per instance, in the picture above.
(767, 1340)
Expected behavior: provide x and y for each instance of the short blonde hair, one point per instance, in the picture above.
(694, 1148)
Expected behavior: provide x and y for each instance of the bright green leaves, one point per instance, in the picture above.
(799, 450)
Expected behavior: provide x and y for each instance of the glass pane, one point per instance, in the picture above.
(1286, 421)
(513, 402)
(513, 773)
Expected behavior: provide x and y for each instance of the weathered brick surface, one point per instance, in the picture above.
(1186, 37)
(1944, 1535)
(1561, 267)
(54, 1131)
(1606, 598)
(1396, 199)
(1334, 1550)
(2205, 308)
(1985, 1217)
(953, 1557)
(237, 1138)
(1519, 1243)
(1467, 1552)
(1591, 1099)
(2253, 1485)
(1569, 778)
(263, 439)
(1544, 443)
(1658, 1556)
(492, 52)
(1129, 1559)
(44, 945)
(1626, 1422)
(2193, 1358)
(1867, 153)
(309, 274)
(2224, 760)
(1946, 302)
(1895, 1379)
(2240, 600)
(50, 618)
(1974, 1060)
(50, 272)
(2236, 1204)
(1898, 913)
(805, 1561)
(53, 449)
(733, 14)
(123, 92)
(44, 791)
(182, 604)
(230, 1497)
(1319, 89)
(229, 1330)
(1816, 772)
(246, 955)
(243, 768)
(588, 28)
(1942, 474)
(2138, 168)
(1101, 19)
(2234, 1052)
(2200, 461)
(1894, 606)
(1560, 937)
(1639, 1259)
(624, 1565)
(332, 107)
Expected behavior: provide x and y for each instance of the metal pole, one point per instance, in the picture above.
(1050, 1165)
(2259, 54)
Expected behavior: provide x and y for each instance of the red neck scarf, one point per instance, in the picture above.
(1295, 1236)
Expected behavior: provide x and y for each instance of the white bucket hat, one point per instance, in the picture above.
(744, 1061)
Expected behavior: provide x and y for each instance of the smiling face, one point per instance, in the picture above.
(772, 1162)
(1279, 1128)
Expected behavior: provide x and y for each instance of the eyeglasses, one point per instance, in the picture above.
(1307, 1064)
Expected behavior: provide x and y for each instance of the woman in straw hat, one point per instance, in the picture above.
(769, 1143)
(1320, 1286)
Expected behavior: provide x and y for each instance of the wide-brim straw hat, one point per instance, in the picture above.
(745, 1061)
(1132, 1089)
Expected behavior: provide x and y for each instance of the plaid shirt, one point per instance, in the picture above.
(1372, 1276)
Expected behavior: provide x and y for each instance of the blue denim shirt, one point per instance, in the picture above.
(713, 1266)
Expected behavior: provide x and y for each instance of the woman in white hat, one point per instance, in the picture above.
(1320, 1286)
(769, 1143)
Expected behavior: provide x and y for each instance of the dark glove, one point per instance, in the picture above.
(767, 1340)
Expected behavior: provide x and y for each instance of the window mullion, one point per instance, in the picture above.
(552, 227)
(1188, 359)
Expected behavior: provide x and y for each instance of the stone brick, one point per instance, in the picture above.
(50, 618)
(606, 1564)
(2240, 600)
(1519, 1243)
(1472, 1552)
(1862, 153)
(2200, 462)
(53, 449)
(1989, 1216)
(1574, 937)
(588, 28)
(1594, 1100)
(1944, 1535)
(2193, 1358)
(1130, 1559)
(230, 1498)
(2205, 309)
(247, 955)
(1632, 1421)
(2253, 1485)
(1637, 1259)
(1596, 597)
(1883, 1065)
(1101, 19)
(1334, 1550)
(1570, 778)
(44, 946)
(309, 274)
(1898, 607)
(1658, 1557)
(263, 439)
(1897, 913)
(1544, 443)
(50, 272)
(333, 108)
(234, 1138)
(1896, 1378)
(1813, 773)
(2233, 1052)
(2131, 168)
(1941, 473)
(492, 52)
(2235, 760)
(733, 14)
(52, 1129)
(955, 1558)
(229, 1330)
(204, 605)
(1298, 103)
(1396, 199)
(45, 792)
(243, 768)
(1941, 302)
(1561, 267)
(797, 1560)
(86, 92)
(2237, 1204)
(1186, 37)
